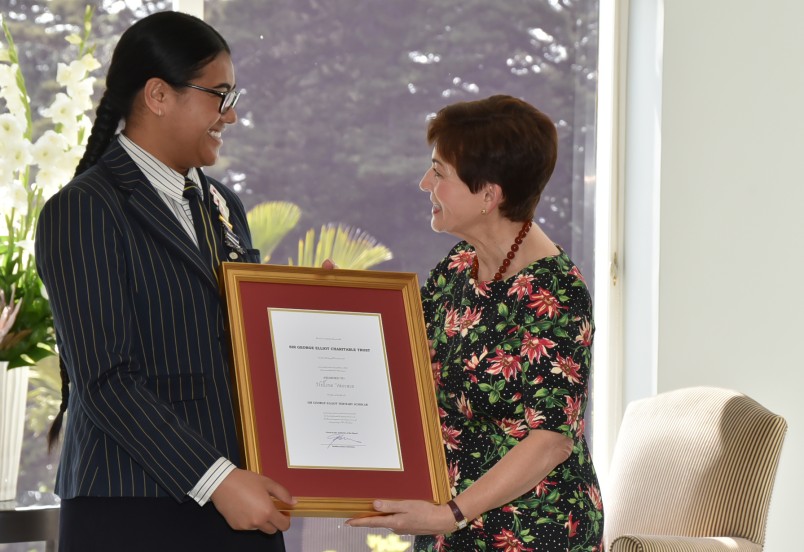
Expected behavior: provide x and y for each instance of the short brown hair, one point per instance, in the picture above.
(501, 140)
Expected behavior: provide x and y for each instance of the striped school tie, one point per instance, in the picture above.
(202, 222)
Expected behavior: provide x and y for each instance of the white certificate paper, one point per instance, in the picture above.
(334, 390)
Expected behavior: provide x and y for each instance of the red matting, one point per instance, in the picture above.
(414, 482)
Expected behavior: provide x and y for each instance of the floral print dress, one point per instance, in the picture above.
(511, 356)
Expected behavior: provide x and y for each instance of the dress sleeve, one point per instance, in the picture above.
(556, 337)
(433, 288)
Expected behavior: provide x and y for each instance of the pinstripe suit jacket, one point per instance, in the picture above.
(140, 327)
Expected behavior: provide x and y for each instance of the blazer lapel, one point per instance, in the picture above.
(213, 215)
(148, 207)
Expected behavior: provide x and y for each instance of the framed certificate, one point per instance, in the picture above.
(333, 386)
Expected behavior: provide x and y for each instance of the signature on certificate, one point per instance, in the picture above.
(342, 440)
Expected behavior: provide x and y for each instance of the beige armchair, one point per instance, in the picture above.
(692, 471)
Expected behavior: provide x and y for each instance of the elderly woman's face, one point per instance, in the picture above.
(455, 208)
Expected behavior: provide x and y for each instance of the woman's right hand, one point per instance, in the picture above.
(245, 500)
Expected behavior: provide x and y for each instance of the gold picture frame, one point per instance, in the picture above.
(250, 292)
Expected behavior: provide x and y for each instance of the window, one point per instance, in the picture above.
(337, 95)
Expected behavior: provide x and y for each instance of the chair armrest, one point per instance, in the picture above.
(668, 543)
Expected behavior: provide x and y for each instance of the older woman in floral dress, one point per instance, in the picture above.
(510, 319)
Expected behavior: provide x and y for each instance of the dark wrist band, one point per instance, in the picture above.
(460, 519)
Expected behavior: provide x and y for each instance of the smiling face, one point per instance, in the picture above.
(455, 208)
(196, 125)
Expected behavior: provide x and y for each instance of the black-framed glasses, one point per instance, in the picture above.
(228, 99)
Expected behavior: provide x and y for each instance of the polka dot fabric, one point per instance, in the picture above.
(512, 356)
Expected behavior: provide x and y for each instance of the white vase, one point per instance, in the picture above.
(13, 395)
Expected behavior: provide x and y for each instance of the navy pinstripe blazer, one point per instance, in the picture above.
(140, 327)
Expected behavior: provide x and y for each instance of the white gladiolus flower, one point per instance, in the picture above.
(85, 125)
(17, 154)
(10, 92)
(63, 110)
(50, 179)
(70, 132)
(66, 162)
(49, 148)
(89, 62)
(70, 159)
(81, 128)
(74, 130)
(11, 128)
(5, 177)
(27, 248)
(81, 93)
(14, 105)
(17, 196)
(31, 172)
(67, 75)
(8, 76)
(50, 187)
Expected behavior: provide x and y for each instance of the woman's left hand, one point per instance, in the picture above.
(409, 517)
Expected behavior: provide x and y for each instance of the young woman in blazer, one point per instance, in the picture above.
(150, 455)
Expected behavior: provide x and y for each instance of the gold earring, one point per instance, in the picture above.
(483, 212)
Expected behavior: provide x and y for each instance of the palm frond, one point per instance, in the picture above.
(270, 222)
(347, 247)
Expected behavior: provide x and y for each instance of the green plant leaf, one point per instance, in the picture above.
(270, 222)
(347, 247)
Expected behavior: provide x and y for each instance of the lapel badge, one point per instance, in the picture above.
(232, 241)
(220, 203)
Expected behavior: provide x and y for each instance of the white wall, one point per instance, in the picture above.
(731, 215)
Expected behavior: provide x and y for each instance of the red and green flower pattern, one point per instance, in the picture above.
(514, 356)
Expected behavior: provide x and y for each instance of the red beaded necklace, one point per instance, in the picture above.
(508, 258)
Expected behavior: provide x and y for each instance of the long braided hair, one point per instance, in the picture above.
(168, 45)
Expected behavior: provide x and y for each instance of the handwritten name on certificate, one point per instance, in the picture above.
(334, 390)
